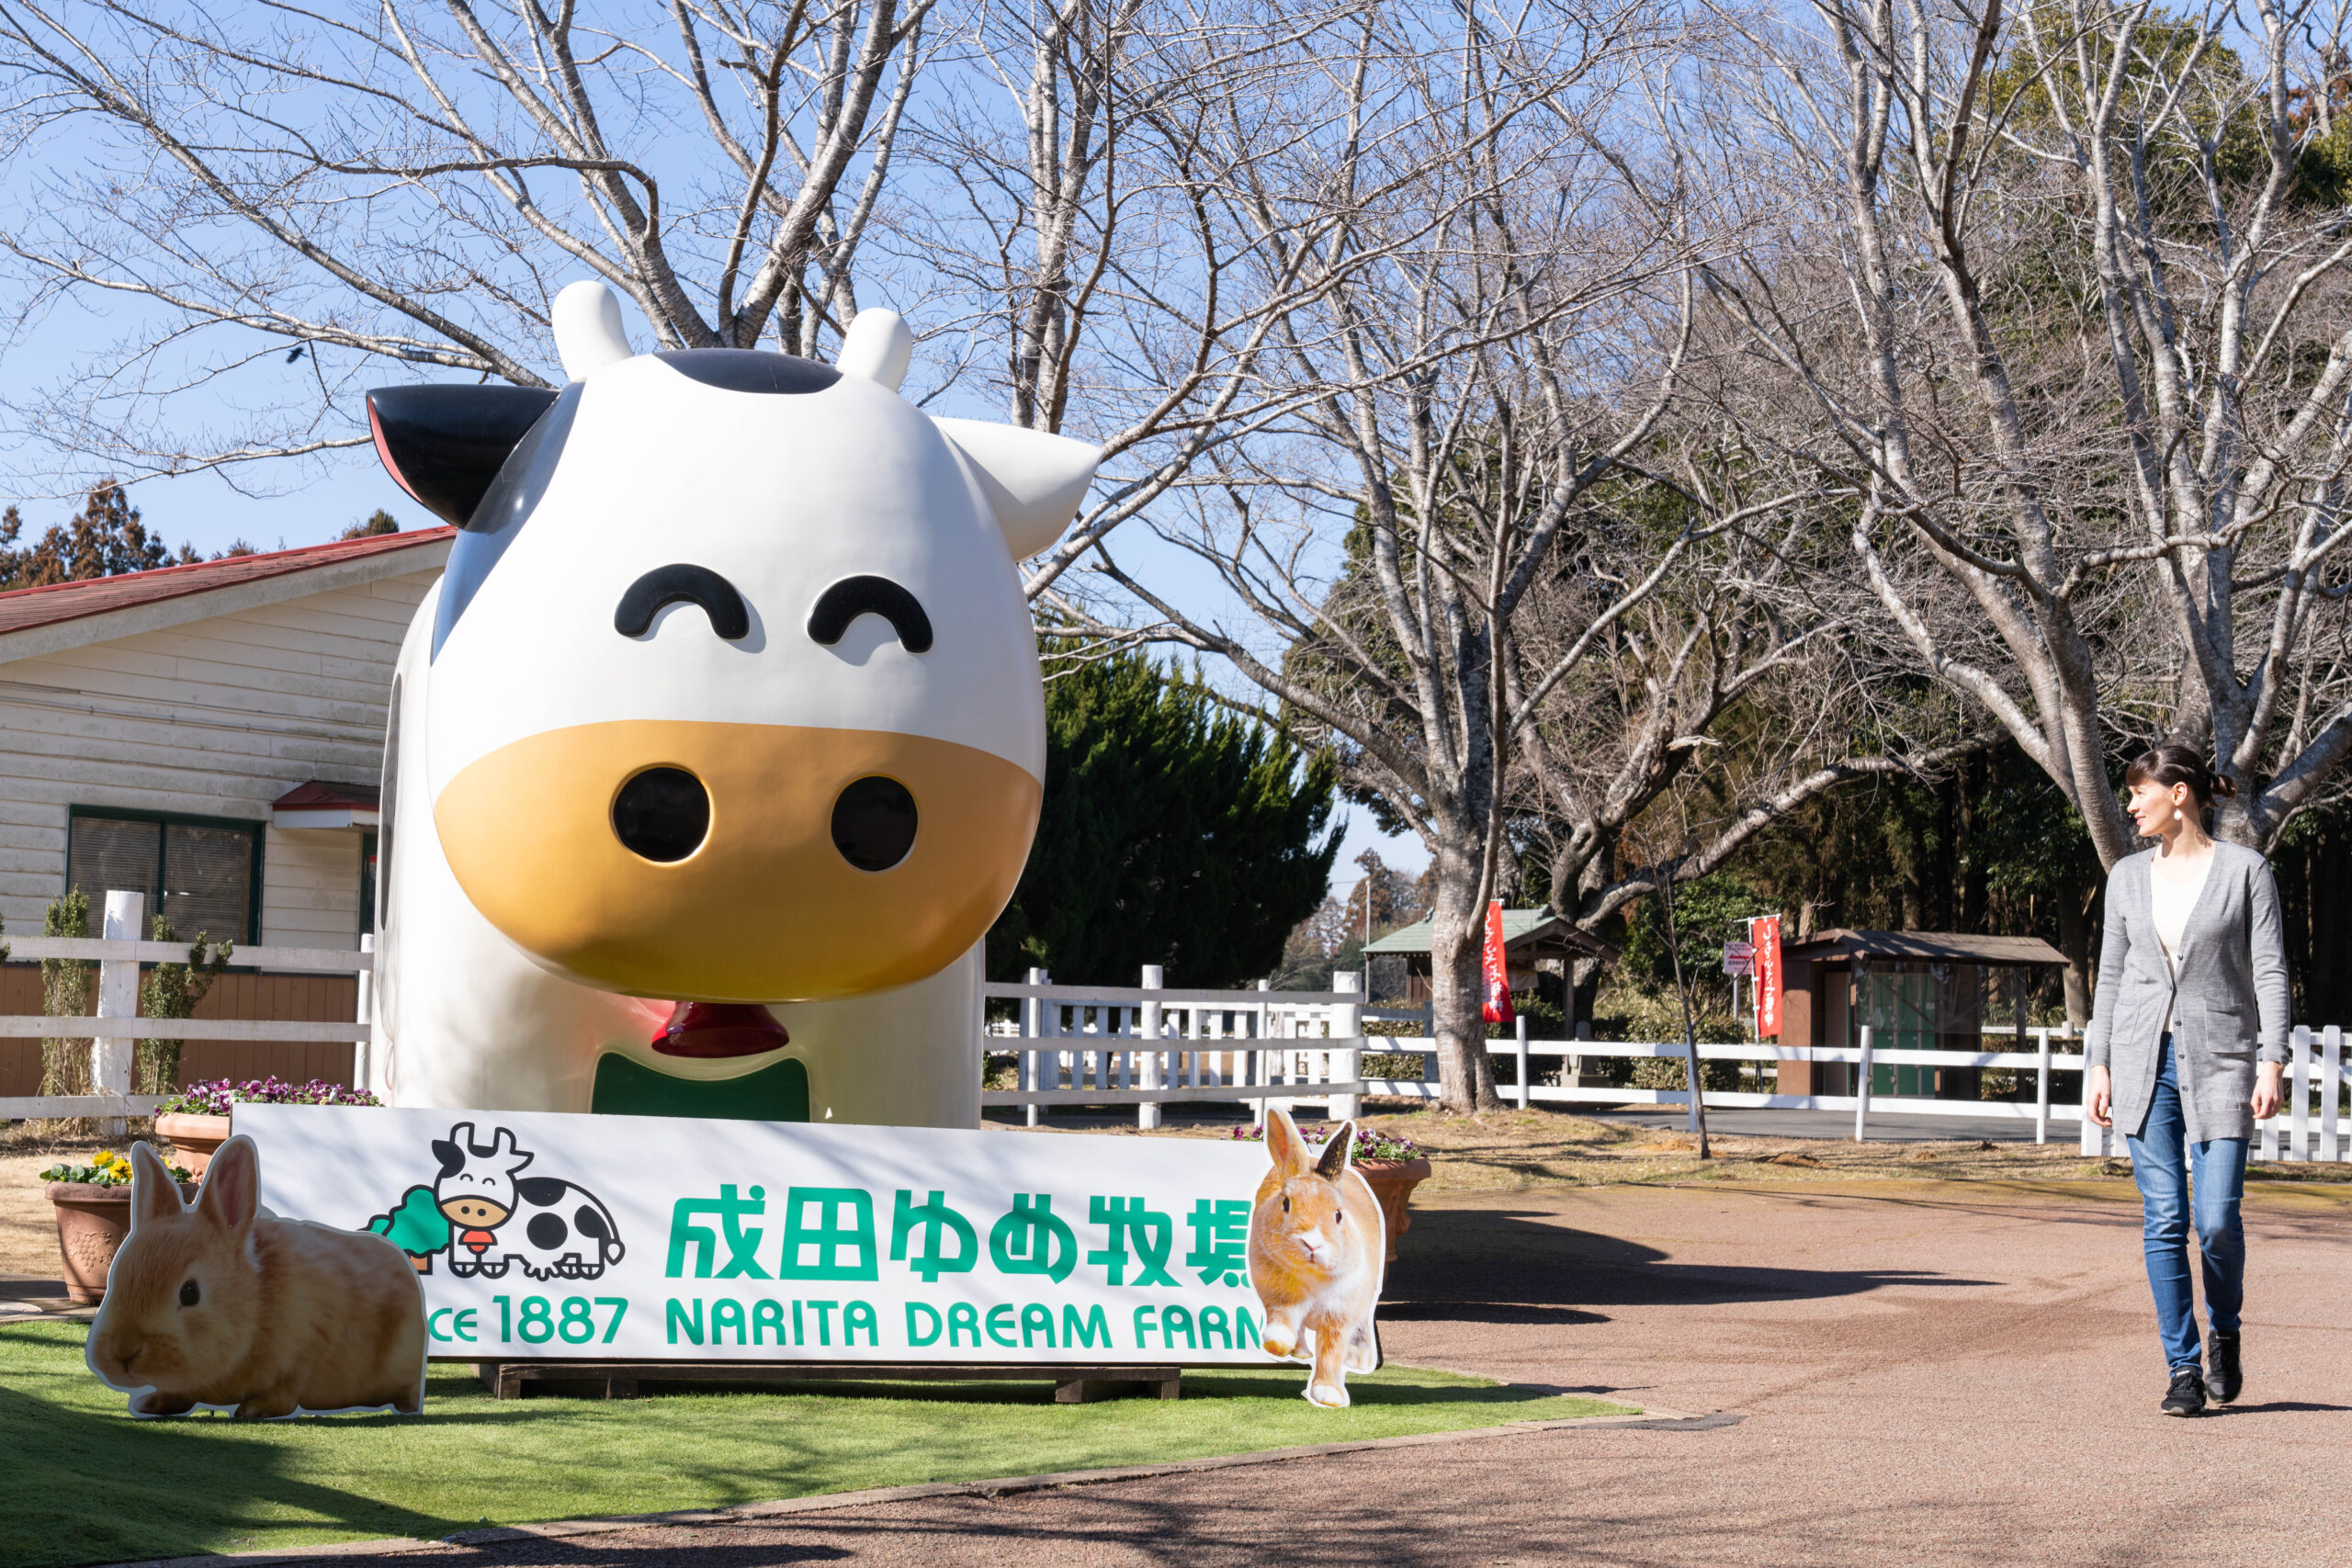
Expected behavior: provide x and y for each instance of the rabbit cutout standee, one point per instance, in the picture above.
(1317, 1256)
(216, 1303)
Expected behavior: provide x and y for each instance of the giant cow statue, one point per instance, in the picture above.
(718, 747)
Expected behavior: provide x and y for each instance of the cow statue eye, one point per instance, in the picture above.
(845, 600)
(682, 583)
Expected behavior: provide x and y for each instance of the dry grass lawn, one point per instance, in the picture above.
(1505, 1150)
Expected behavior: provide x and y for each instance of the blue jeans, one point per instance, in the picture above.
(2216, 1170)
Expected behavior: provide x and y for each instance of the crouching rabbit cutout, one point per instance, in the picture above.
(219, 1304)
(1318, 1257)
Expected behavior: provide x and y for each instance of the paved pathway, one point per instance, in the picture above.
(1925, 1373)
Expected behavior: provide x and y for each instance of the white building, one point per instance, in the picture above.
(212, 734)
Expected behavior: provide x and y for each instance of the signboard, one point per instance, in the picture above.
(1739, 958)
(1764, 933)
(1494, 971)
(539, 1235)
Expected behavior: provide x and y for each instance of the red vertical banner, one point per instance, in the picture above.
(1494, 970)
(1766, 934)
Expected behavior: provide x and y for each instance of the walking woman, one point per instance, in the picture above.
(2192, 975)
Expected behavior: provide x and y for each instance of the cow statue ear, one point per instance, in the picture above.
(444, 444)
(588, 334)
(1035, 482)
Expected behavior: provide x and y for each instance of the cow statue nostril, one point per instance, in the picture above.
(662, 814)
(873, 823)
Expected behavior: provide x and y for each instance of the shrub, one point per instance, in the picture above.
(214, 1098)
(1371, 1142)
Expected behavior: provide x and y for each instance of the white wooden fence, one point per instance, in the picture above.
(1087, 1045)
(1148, 1046)
(119, 954)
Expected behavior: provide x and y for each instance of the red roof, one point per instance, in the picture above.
(27, 607)
(318, 795)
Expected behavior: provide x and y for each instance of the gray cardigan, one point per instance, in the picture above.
(2233, 990)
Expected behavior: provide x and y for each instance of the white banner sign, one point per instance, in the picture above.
(539, 1235)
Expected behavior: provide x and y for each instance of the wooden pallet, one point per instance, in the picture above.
(619, 1379)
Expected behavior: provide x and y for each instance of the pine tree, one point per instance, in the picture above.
(1172, 834)
(105, 538)
(379, 522)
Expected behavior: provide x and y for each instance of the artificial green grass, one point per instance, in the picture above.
(87, 1483)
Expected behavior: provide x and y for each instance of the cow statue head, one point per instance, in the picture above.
(734, 691)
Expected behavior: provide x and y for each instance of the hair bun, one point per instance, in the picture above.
(2171, 762)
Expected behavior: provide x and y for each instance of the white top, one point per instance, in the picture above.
(2171, 900)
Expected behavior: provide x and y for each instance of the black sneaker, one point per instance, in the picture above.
(2187, 1395)
(2225, 1378)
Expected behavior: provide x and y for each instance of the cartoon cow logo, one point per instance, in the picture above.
(487, 1216)
(728, 700)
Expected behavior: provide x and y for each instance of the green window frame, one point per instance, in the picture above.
(185, 848)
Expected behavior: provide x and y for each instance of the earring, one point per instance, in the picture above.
(2175, 813)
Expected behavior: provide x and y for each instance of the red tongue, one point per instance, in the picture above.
(721, 1028)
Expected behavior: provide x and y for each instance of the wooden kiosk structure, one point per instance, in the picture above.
(1914, 990)
(1539, 950)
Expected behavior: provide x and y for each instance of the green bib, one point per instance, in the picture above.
(777, 1093)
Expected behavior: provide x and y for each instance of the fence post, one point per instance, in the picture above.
(2042, 1091)
(1031, 1058)
(1523, 1061)
(1862, 1091)
(118, 998)
(2299, 1089)
(2095, 1137)
(2331, 1054)
(363, 1049)
(1155, 978)
(1347, 1023)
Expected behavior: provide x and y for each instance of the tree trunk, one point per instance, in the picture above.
(1466, 1076)
(2075, 942)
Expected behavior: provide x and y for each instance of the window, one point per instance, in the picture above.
(202, 873)
(368, 872)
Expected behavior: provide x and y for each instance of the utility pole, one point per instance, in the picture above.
(1690, 1033)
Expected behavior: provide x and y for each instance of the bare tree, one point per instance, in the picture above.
(1481, 399)
(413, 182)
(1094, 151)
(2059, 295)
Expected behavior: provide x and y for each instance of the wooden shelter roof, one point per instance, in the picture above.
(1933, 947)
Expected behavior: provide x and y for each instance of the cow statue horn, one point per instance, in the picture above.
(588, 334)
(876, 348)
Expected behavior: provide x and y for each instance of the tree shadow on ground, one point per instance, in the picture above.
(88, 1487)
(1482, 1261)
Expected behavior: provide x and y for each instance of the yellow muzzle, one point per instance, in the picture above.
(767, 906)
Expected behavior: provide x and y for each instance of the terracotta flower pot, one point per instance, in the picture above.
(194, 1138)
(1392, 1181)
(91, 1222)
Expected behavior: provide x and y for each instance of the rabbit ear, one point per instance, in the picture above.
(1283, 1142)
(1337, 1153)
(232, 1189)
(154, 1194)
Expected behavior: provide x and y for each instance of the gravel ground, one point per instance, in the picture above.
(1924, 1372)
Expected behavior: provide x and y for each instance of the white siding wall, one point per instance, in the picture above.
(213, 718)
